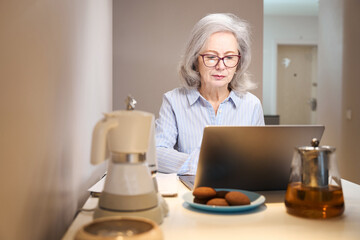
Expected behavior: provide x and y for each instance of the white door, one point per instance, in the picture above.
(296, 84)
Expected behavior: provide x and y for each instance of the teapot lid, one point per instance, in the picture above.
(315, 147)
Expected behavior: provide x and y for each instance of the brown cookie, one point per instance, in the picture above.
(204, 192)
(221, 194)
(217, 202)
(201, 201)
(237, 198)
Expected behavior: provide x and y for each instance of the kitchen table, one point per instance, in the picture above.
(269, 221)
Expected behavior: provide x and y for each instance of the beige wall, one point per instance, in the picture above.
(339, 83)
(55, 81)
(350, 158)
(149, 37)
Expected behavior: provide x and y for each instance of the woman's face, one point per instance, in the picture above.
(220, 44)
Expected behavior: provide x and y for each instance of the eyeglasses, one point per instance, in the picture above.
(229, 61)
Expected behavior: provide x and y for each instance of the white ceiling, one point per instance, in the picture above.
(291, 7)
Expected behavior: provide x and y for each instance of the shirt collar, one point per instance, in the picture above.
(193, 95)
(234, 98)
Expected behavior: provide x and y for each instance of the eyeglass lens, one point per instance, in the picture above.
(213, 60)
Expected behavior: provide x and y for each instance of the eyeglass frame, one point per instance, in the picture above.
(220, 59)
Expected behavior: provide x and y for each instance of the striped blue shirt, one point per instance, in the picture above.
(184, 114)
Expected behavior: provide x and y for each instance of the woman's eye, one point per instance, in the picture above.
(211, 57)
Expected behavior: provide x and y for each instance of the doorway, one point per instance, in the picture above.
(296, 84)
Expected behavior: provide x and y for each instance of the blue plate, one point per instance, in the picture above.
(255, 201)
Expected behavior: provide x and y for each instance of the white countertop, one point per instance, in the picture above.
(269, 221)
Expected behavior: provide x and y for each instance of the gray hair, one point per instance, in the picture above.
(212, 23)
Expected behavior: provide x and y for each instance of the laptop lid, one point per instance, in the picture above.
(255, 158)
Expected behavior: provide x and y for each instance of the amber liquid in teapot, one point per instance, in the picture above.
(312, 202)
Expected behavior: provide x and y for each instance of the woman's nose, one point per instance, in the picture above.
(220, 64)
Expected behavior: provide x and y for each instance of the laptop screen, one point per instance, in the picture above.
(255, 158)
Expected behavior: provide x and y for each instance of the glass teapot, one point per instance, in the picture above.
(314, 189)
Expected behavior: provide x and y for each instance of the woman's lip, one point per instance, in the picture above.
(218, 76)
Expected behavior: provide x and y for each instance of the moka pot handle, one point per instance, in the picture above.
(99, 139)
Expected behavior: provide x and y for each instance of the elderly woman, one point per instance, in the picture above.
(214, 70)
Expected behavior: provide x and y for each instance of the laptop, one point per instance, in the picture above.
(254, 158)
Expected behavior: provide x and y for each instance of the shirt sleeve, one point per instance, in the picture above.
(169, 159)
(258, 115)
(172, 161)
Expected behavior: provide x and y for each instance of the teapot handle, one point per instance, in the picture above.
(99, 140)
